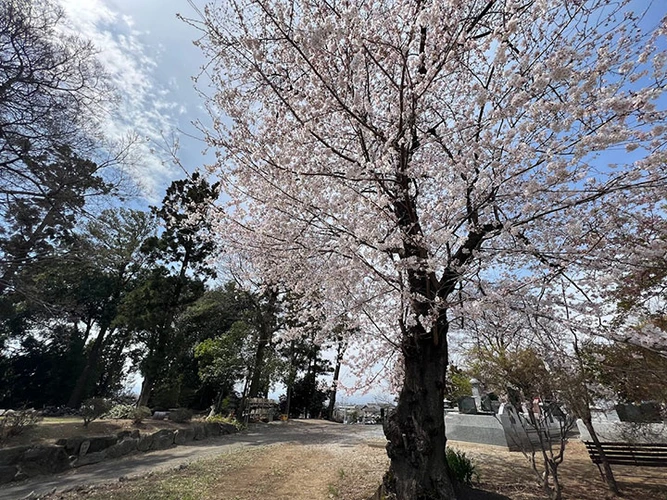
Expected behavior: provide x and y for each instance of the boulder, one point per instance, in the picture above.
(134, 434)
(72, 444)
(200, 431)
(227, 428)
(11, 456)
(99, 443)
(212, 429)
(85, 446)
(183, 436)
(126, 446)
(7, 473)
(162, 439)
(145, 442)
(44, 460)
(90, 458)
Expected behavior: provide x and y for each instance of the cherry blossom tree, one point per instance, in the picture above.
(425, 159)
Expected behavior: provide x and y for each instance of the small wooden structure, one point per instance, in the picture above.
(260, 409)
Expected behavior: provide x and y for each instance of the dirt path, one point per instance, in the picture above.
(305, 432)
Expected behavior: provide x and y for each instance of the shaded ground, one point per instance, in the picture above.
(313, 460)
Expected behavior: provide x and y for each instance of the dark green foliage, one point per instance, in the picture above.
(303, 365)
(94, 408)
(461, 468)
(42, 372)
(307, 398)
(457, 383)
(37, 225)
(180, 415)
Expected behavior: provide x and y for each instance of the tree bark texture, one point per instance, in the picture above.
(416, 429)
(334, 384)
(146, 389)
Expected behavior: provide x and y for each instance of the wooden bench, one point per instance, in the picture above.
(637, 454)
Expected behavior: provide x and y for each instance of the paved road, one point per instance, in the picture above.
(295, 431)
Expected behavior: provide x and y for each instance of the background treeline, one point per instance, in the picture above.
(130, 291)
(92, 293)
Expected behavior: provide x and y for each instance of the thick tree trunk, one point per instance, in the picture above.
(416, 430)
(334, 389)
(267, 327)
(85, 379)
(258, 369)
(146, 389)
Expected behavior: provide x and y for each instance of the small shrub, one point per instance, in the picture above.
(120, 411)
(59, 411)
(180, 415)
(462, 468)
(219, 419)
(140, 413)
(14, 423)
(93, 408)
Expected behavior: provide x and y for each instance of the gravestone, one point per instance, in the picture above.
(467, 405)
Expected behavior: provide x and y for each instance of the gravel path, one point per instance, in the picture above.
(311, 432)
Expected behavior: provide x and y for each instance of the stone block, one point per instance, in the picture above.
(484, 429)
(99, 443)
(73, 444)
(227, 428)
(10, 456)
(90, 458)
(7, 473)
(134, 434)
(44, 460)
(145, 442)
(125, 447)
(85, 446)
(467, 405)
(200, 431)
(162, 439)
(183, 436)
(212, 429)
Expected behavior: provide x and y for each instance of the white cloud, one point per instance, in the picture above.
(146, 108)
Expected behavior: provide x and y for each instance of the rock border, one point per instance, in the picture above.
(21, 462)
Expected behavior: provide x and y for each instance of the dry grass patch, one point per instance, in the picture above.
(292, 471)
(280, 472)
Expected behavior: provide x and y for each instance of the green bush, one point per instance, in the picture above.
(461, 467)
(219, 419)
(120, 411)
(14, 423)
(140, 413)
(93, 408)
(180, 415)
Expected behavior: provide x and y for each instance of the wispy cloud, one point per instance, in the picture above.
(146, 107)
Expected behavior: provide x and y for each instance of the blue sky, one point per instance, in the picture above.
(151, 59)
